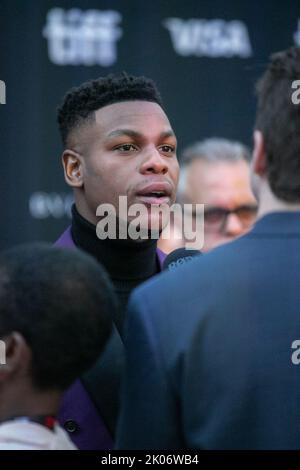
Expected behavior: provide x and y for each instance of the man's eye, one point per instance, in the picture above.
(167, 149)
(126, 148)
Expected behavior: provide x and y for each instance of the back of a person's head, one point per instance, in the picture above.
(80, 103)
(61, 302)
(278, 118)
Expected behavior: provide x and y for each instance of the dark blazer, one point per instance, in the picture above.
(209, 348)
(90, 407)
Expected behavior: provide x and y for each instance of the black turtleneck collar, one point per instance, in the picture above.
(123, 259)
(129, 263)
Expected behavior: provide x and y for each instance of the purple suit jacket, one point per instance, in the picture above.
(78, 414)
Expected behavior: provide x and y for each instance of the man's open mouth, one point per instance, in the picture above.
(155, 193)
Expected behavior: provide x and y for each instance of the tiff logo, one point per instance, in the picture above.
(2, 92)
(2, 353)
(77, 37)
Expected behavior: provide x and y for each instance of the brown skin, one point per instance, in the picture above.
(18, 395)
(128, 146)
(221, 184)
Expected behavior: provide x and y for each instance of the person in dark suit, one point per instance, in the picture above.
(117, 141)
(210, 358)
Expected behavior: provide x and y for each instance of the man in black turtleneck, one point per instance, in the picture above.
(128, 262)
(117, 142)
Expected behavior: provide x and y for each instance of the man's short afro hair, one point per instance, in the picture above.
(80, 102)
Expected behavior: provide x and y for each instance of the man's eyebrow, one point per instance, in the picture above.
(120, 132)
(135, 134)
(168, 133)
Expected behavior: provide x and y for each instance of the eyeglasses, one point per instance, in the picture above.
(216, 217)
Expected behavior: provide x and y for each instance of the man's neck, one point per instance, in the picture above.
(123, 259)
(128, 263)
(269, 203)
(18, 401)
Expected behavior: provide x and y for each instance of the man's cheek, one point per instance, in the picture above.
(175, 173)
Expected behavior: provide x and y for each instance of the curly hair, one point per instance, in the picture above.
(62, 303)
(80, 103)
(278, 118)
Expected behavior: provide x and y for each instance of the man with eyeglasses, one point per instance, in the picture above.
(216, 172)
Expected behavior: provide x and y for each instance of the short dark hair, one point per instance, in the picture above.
(278, 118)
(80, 103)
(61, 302)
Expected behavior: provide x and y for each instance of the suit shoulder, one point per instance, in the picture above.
(193, 287)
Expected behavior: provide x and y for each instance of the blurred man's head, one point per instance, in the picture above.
(216, 173)
(276, 156)
(56, 308)
(117, 141)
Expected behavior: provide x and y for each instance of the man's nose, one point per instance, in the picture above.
(154, 162)
(233, 226)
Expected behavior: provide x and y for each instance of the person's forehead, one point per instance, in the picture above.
(131, 113)
(216, 173)
(211, 183)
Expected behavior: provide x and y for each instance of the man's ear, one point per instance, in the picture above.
(72, 163)
(17, 356)
(259, 154)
